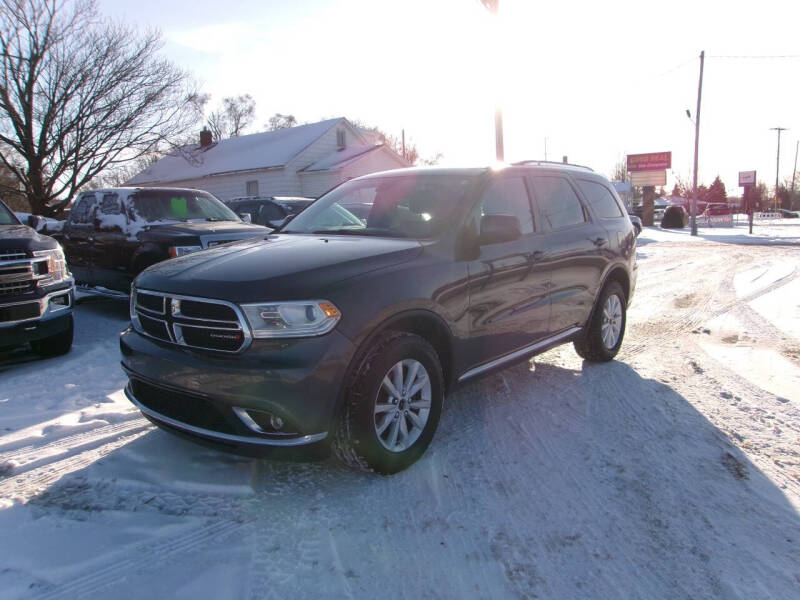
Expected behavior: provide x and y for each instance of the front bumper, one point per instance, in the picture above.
(37, 316)
(200, 393)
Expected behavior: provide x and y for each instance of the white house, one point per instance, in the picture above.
(306, 160)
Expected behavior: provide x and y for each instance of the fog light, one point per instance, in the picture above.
(276, 423)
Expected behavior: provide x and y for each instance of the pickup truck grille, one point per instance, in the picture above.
(18, 272)
(199, 323)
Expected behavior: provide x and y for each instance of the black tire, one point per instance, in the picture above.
(55, 345)
(590, 345)
(356, 440)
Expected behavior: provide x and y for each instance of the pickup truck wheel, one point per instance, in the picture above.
(57, 344)
(603, 335)
(392, 406)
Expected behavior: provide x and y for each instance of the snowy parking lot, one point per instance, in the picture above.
(672, 472)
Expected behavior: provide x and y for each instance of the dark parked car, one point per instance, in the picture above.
(270, 211)
(675, 217)
(112, 234)
(336, 330)
(789, 214)
(36, 289)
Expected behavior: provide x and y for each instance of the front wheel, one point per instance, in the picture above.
(393, 405)
(602, 338)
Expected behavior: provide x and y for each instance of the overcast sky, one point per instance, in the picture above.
(596, 79)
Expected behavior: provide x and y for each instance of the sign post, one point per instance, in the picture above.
(648, 171)
(747, 181)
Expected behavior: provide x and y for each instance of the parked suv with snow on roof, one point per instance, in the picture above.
(36, 289)
(270, 211)
(350, 331)
(111, 235)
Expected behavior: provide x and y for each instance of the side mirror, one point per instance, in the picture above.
(37, 222)
(496, 229)
(246, 217)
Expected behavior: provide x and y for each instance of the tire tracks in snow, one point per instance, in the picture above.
(646, 338)
(30, 456)
(24, 486)
(146, 557)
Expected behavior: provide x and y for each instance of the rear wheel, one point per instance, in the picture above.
(604, 333)
(55, 345)
(393, 405)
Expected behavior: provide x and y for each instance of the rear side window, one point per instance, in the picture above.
(110, 205)
(271, 212)
(559, 206)
(509, 196)
(83, 211)
(603, 203)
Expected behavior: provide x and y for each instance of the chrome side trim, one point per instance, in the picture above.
(519, 353)
(216, 435)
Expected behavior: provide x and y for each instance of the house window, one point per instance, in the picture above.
(252, 188)
(340, 141)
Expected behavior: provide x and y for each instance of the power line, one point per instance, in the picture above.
(755, 56)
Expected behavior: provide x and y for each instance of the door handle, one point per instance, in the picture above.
(537, 255)
(600, 241)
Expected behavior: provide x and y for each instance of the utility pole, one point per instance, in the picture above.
(777, 162)
(791, 193)
(494, 7)
(693, 207)
(403, 137)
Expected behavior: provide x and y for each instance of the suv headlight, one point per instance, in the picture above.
(291, 319)
(176, 251)
(56, 266)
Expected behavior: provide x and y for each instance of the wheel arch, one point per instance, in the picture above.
(424, 323)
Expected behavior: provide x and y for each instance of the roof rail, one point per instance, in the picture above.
(522, 163)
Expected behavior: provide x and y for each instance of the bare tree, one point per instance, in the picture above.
(79, 94)
(234, 116)
(279, 121)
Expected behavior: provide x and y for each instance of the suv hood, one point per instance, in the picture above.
(278, 267)
(24, 238)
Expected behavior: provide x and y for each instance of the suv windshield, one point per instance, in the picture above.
(414, 205)
(180, 205)
(7, 217)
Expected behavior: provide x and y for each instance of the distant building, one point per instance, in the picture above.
(306, 160)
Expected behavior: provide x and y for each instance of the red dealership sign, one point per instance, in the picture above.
(653, 161)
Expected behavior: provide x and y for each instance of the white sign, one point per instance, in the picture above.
(642, 178)
(747, 178)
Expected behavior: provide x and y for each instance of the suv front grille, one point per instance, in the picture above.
(199, 323)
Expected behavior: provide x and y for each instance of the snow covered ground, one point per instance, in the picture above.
(672, 472)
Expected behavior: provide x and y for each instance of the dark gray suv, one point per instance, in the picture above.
(349, 331)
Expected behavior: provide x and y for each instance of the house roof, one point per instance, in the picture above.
(340, 158)
(270, 149)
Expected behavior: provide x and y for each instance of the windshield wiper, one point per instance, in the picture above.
(348, 231)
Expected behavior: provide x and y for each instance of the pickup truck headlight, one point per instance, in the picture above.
(291, 319)
(56, 266)
(176, 251)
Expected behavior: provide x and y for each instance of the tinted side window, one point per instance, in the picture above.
(83, 211)
(601, 200)
(509, 196)
(559, 206)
